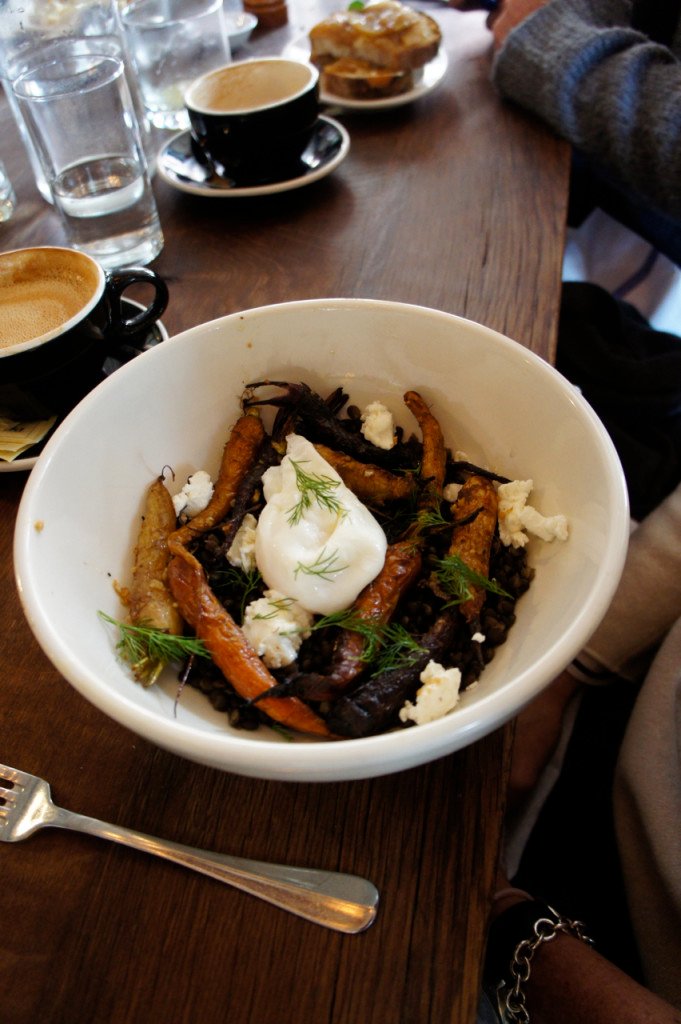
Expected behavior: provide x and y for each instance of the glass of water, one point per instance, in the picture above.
(7, 197)
(81, 119)
(172, 42)
(46, 29)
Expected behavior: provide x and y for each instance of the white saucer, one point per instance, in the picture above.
(239, 27)
(157, 333)
(179, 167)
(432, 74)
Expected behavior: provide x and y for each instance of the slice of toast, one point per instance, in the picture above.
(386, 33)
(357, 79)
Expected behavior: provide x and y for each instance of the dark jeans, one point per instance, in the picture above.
(631, 375)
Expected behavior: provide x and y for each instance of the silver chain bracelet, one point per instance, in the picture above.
(511, 1004)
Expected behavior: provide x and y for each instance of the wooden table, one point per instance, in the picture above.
(456, 202)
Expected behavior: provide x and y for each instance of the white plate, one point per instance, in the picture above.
(179, 167)
(239, 27)
(432, 74)
(26, 462)
(495, 400)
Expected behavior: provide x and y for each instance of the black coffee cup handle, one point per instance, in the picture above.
(117, 282)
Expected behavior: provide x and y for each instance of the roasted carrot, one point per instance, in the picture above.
(238, 454)
(370, 483)
(211, 622)
(150, 602)
(373, 706)
(229, 648)
(475, 510)
(434, 459)
(375, 605)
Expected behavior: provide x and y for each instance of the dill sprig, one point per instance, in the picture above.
(431, 519)
(281, 730)
(386, 645)
(426, 515)
(280, 604)
(240, 581)
(323, 566)
(148, 650)
(456, 579)
(398, 649)
(314, 487)
(370, 631)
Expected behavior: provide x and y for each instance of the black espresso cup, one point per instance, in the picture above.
(253, 119)
(61, 315)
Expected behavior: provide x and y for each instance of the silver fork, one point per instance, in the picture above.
(345, 903)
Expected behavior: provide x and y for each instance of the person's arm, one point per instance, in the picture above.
(538, 731)
(569, 982)
(648, 599)
(510, 12)
(646, 604)
(508, 15)
(603, 86)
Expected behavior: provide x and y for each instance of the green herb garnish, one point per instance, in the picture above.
(431, 519)
(386, 645)
(398, 649)
(356, 5)
(285, 734)
(148, 650)
(371, 632)
(314, 487)
(281, 604)
(323, 566)
(456, 579)
(238, 581)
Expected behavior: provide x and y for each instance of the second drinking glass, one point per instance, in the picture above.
(7, 197)
(81, 119)
(172, 42)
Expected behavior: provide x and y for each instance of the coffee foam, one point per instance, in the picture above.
(40, 290)
(249, 86)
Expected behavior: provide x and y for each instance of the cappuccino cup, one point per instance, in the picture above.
(61, 315)
(252, 119)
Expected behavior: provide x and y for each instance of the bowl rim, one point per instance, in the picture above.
(347, 759)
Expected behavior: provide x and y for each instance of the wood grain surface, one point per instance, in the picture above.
(457, 202)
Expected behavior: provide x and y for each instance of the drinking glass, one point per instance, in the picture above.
(38, 174)
(7, 197)
(80, 116)
(172, 42)
(30, 29)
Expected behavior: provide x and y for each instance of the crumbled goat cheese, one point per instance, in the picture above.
(450, 492)
(194, 496)
(275, 627)
(516, 516)
(438, 695)
(378, 426)
(478, 638)
(242, 550)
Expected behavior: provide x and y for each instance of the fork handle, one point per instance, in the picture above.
(345, 903)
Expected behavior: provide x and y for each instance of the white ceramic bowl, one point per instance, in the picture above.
(174, 405)
(240, 24)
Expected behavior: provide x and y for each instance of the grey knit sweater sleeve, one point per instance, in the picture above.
(604, 87)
